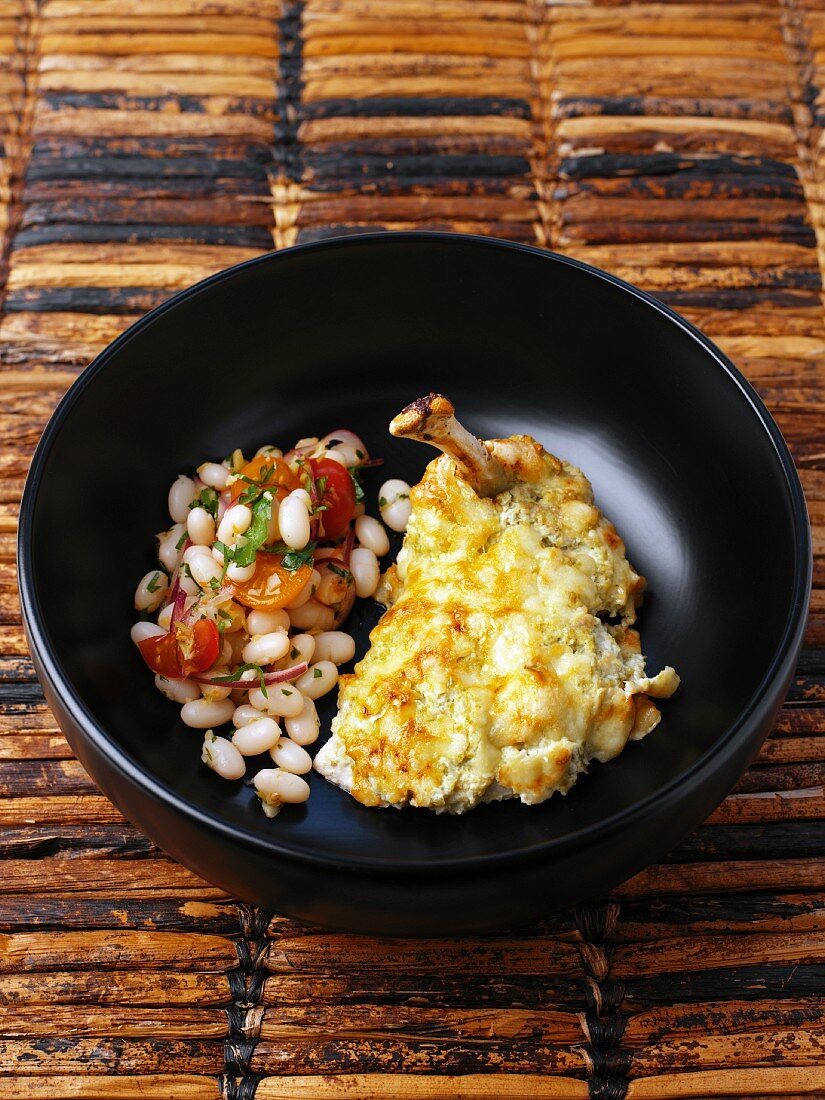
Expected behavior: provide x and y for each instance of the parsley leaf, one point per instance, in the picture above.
(317, 674)
(237, 673)
(345, 573)
(180, 543)
(154, 583)
(292, 559)
(207, 498)
(356, 482)
(254, 536)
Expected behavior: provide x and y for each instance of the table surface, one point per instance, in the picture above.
(148, 143)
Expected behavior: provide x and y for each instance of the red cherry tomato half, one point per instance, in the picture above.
(338, 495)
(161, 655)
(188, 650)
(206, 644)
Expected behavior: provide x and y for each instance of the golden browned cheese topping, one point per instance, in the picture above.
(491, 675)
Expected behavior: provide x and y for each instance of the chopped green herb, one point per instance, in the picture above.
(382, 502)
(154, 583)
(207, 498)
(356, 482)
(293, 653)
(359, 455)
(181, 541)
(333, 443)
(345, 573)
(224, 619)
(403, 496)
(317, 674)
(214, 584)
(237, 673)
(254, 535)
(321, 486)
(284, 691)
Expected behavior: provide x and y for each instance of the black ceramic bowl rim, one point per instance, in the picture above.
(53, 668)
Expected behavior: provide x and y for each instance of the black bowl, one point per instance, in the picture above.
(683, 457)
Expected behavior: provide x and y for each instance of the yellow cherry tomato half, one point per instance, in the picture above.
(272, 586)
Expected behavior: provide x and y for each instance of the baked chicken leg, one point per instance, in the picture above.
(493, 674)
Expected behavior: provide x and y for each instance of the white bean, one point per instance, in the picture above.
(306, 593)
(235, 521)
(338, 456)
(165, 616)
(365, 570)
(222, 757)
(280, 701)
(201, 714)
(281, 785)
(371, 534)
(151, 592)
(179, 691)
(293, 520)
(202, 566)
(348, 444)
(256, 737)
(168, 552)
(394, 503)
(264, 622)
(335, 646)
(188, 583)
(301, 648)
(181, 495)
(305, 726)
(238, 619)
(214, 475)
(200, 527)
(318, 679)
(291, 757)
(244, 714)
(312, 616)
(216, 692)
(141, 631)
(269, 451)
(264, 649)
(241, 573)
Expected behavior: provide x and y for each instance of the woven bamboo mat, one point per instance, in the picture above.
(147, 143)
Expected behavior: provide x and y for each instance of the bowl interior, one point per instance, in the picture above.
(345, 335)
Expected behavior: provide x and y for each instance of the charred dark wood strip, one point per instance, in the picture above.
(782, 777)
(20, 914)
(220, 148)
(743, 298)
(144, 189)
(41, 841)
(248, 106)
(85, 299)
(412, 167)
(106, 168)
(288, 148)
(414, 106)
(772, 840)
(429, 145)
(25, 777)
(743, 982)
(723, 911)
(629, 232)
(16, 694)
(103, 233)
(689, 184)
(109, 1056)
(628, 164)
(673, 107)
(377, 1054)
(427, 185)
(158, 211)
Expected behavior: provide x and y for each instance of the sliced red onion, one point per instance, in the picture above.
(371, 462)
(346, 549)
(177, 600)
(282, 676)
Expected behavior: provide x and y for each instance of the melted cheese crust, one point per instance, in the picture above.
(491, 675)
